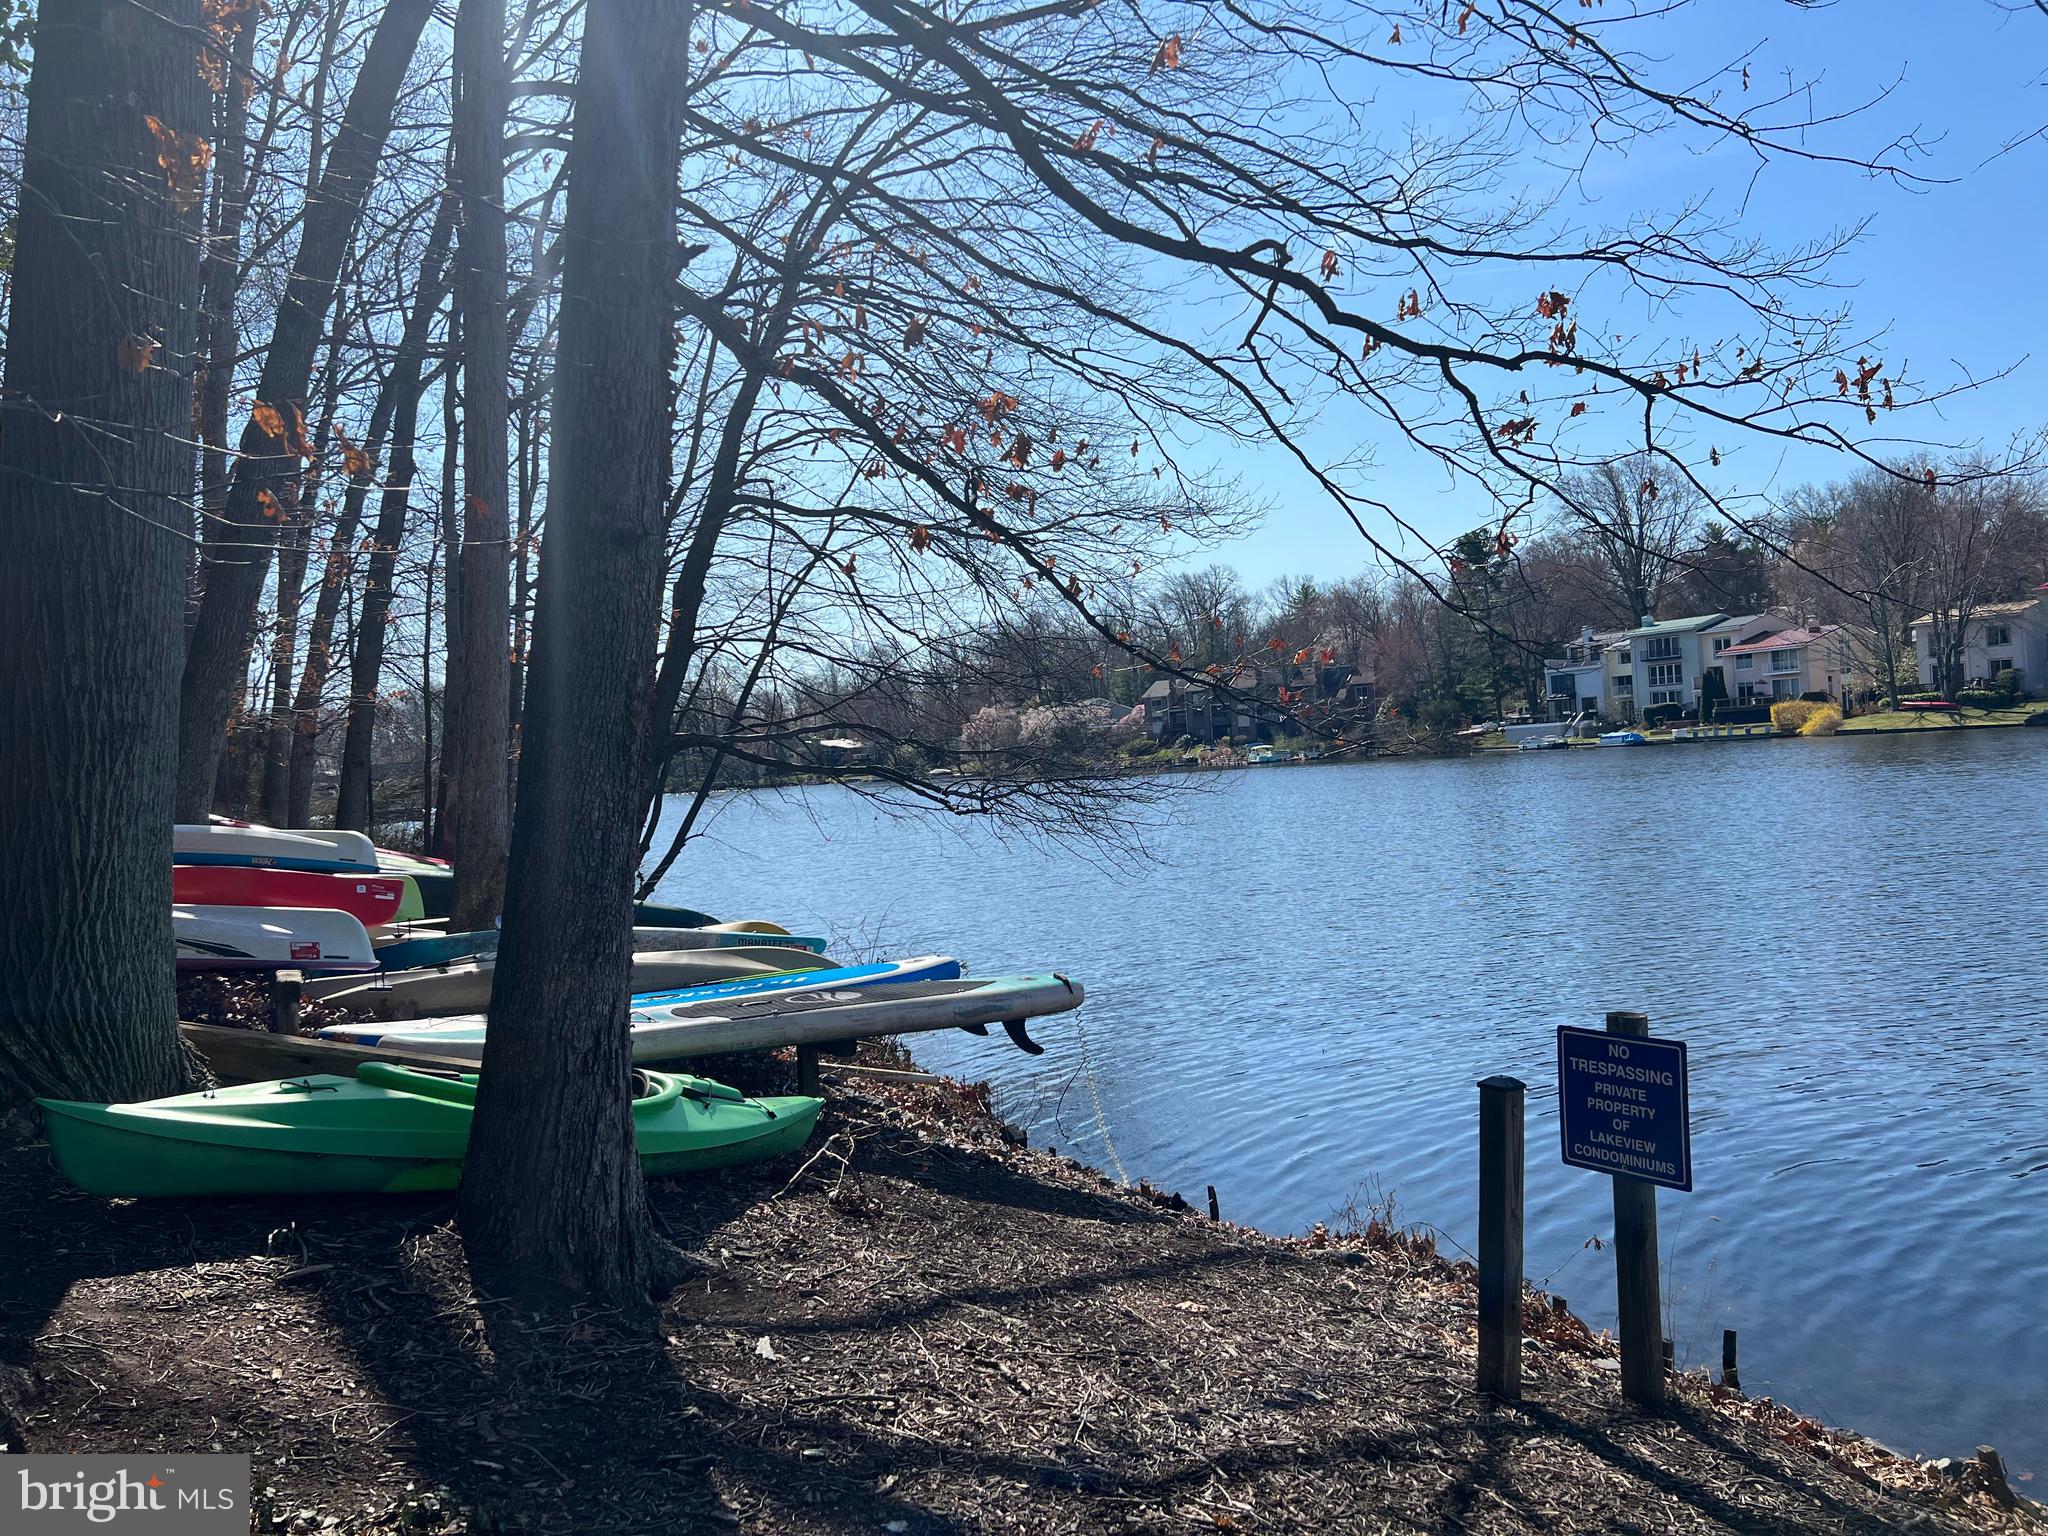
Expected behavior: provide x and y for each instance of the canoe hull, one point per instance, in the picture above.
(652, 914)
(372, 900)
(314, 940)
(253, 847)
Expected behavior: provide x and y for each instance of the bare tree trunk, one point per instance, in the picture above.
(352, 806)
(220, 275)
(401, 382)
(96, 476)
(527, 492)
(478, 688)
(284, 653)
(238, 554)
(553, 1195)
(434, 788)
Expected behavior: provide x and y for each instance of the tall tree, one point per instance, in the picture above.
(273, 444)
(1862, 549)
(403, 386)
(480, 678)
(1636, 516)
(97, 481)
(401, 383)
(552, 1191)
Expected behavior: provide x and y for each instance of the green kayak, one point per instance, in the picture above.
(387, 1130)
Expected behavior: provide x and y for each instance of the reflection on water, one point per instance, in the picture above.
(1300, 998)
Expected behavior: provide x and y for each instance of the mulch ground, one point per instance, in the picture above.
(915, 1326)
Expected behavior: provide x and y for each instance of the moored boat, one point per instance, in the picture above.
(387, 1130)
(1622, 738)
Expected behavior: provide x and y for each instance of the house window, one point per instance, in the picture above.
(1996, 664)
(1784, 661)
(1723, 643)
(1666, 674)
(1998, 634)
(1663, 648)
(1624, 682)
(1744, 692)
(1783, 687)
(1745, 663)
(1664, 696)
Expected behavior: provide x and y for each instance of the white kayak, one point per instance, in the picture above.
(765, 1021)
(272, 848)
(464, 986)
(314, 939)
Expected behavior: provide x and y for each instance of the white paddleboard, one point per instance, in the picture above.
(765, 1021)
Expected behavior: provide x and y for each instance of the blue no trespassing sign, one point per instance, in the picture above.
(1622, 1105)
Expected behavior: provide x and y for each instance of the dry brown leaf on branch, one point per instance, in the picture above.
(183, 158)
(269, 420)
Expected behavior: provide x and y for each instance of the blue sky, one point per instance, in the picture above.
(1955, 273)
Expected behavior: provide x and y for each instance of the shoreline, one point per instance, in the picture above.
(915, 1326)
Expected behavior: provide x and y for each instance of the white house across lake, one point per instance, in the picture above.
(1753, 657)
(1998, 636)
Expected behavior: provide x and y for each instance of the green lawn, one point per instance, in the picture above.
(1898, 719)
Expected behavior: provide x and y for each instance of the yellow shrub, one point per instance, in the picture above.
(1790, 715)
(1825, 720)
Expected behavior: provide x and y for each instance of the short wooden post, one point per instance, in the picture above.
(1993, 1467)
(287, 990)
(1731, 1375)
(1215, 1207)
(807, 1070)
(1639, 1304)
(1500, 1236)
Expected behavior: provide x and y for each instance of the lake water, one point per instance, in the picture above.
(1296, 1001)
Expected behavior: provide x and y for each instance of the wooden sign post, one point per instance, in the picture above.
(1624, 1110)
(1500, 1237)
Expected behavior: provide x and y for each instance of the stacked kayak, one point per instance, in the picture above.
(373, 900)
(311, 939)
(387, 1130)
(764, 1019)
(418, 947)
(882, 973)
(246, 846)
(464, 986)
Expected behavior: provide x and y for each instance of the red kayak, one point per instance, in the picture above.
(371, 899)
